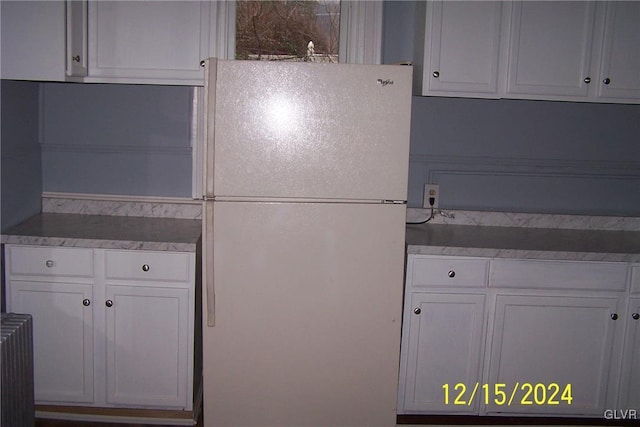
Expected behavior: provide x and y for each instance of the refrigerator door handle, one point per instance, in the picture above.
(207, 262)
(208, 155)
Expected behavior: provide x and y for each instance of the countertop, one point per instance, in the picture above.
(107, 232)
(521, 242)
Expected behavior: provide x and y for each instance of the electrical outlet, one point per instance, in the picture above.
(431, 193)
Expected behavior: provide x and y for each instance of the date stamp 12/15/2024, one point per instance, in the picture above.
(506, 395)
(522, 394)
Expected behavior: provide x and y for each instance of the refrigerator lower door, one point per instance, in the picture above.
(308, 306)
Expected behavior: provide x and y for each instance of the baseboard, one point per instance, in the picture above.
(119, 415)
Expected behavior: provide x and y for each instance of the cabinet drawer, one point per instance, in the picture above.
(540, 274)
(141, 265)
(447, 272)
(50, 261)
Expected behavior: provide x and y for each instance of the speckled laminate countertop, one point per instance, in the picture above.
(109, 232)
(518, 242)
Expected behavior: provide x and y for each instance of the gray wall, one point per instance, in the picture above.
(20, 173)
(116, 139)
(517, 155)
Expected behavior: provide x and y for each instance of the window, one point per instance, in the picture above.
(288, 30)
(360, 31)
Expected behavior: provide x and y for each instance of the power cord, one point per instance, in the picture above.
(432, 201)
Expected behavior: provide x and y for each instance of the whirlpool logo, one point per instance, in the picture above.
(621, 414)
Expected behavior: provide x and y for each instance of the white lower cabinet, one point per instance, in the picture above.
(62, 337)
(629, 396)
(147, 333)
(112, 328)
(442, 334)
(554, 351)
(519, 337)
(447, 331)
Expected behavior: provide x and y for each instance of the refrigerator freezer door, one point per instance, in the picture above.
(300, 130)
(308, 312)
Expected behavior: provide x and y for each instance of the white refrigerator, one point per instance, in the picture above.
(303, 242)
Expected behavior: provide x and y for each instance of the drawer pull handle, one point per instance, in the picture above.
(109, 303)
(145, 267)
(635, 316)
(86, 302)
(49, 263)
(417, 310)
(614, 316)
(451, 274)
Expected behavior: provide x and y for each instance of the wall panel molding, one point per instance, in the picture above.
(20, 152)
(528, 185)
(116, 149)
(522, 165)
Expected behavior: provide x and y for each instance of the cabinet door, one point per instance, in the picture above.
(76, 37)
(443, 349)
(164, 40)
(33, 40)
(147, 346)
(62, 338)
(550, 48)
(552, 340)
(620, 67)
(629, 396)
(462, 42)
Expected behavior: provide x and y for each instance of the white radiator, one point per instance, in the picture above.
(16, 352)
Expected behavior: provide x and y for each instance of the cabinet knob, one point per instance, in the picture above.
(614, 316)
(49, 263)
(417, 310)
(451, 274)
(76, 58)
(202, 63)
(436, 74)
(145, 267)
(109, 303)
(587, 80)
(86, 302)
(635, 316)
(606, 81)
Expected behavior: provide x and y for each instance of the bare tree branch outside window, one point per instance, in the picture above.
(288, 30)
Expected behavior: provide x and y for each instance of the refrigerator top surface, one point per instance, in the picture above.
(295, 130)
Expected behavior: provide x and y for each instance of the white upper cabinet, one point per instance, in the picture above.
(550, 48)
(159, 40)
(461, 48)
(76, 38)
(33, 40)
(108, 41)
(620, 64)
